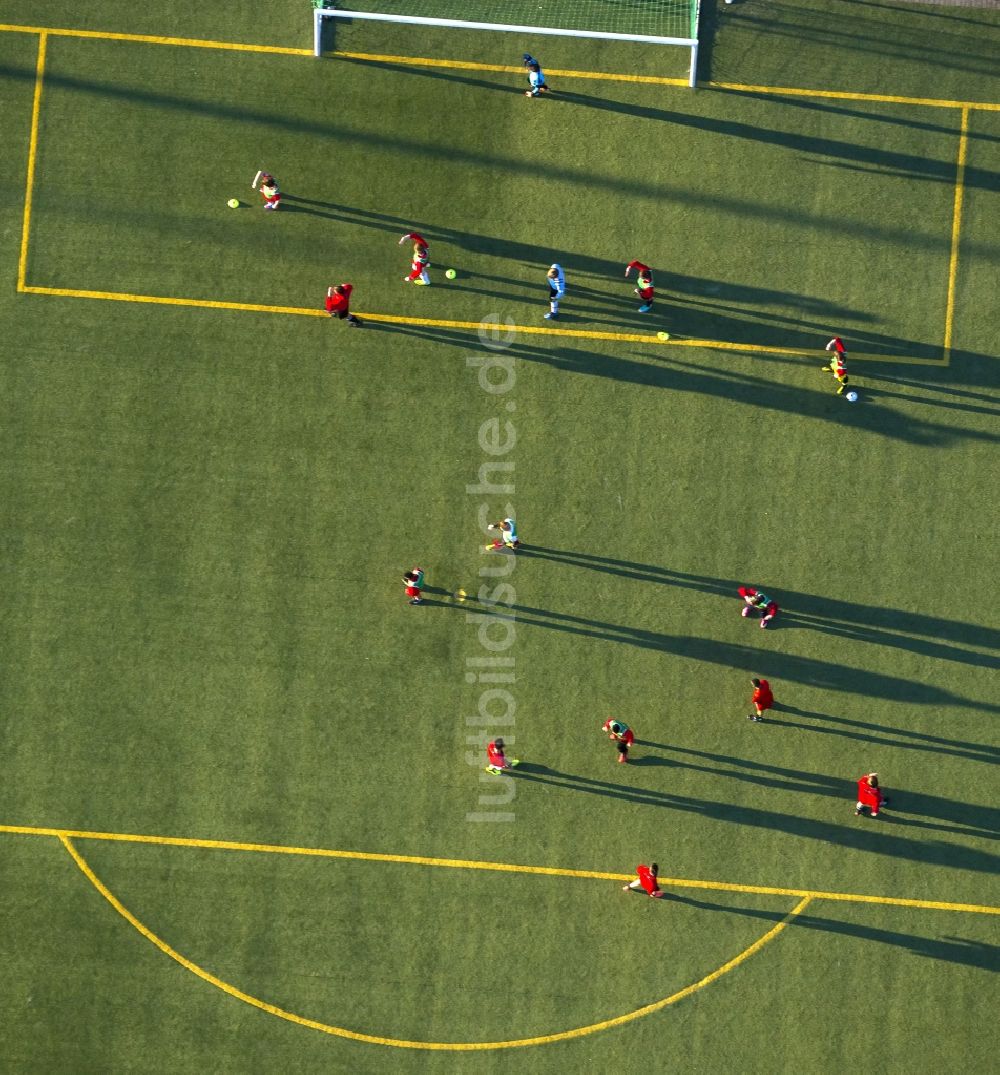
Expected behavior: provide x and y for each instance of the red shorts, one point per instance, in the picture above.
(412, 591)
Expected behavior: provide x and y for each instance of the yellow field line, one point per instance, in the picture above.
(171, 300)
(479, 864)
(416, 322)
(844, 95)
(153, 39)
(401, 1043)
(621, 337)
(463, 65)
(29, 183)
(956, 231)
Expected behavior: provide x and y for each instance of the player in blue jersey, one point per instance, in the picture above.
(556, 280)
(536, 77)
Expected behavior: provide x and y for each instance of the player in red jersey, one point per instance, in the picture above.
(421, 259)
(338, 304)
(498, 761)
(621, 734)
(870, 795)
(269, 191)
(762, 698)
(838, 363)
(645, 290)
(646, 881)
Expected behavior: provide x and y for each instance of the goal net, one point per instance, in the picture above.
(655, 22)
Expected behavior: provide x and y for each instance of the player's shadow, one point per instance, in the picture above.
(953, 949)
(931, 636)
(813, 672)
(872, 836)
(882, 735)
(967, 819)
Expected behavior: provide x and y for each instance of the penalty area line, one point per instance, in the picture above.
(509, 329)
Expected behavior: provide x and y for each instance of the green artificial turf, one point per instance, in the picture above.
(207, 513)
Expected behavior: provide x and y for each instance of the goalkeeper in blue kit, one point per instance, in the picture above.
(536, 77)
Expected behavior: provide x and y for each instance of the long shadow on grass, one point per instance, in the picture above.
(614, 294)
(882, 735)
(952, 949)
(870, 623)
(863, 834)
(827, 150)
(660, 370)
(865, 623)
(861, 35)
(906, 807)
(823, 675)
(440, 153)
(908, 119)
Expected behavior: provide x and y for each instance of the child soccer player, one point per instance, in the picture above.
(646, 881)
(645, 289)
(762, 698)
(621, 734)
(870, 795)
(755, 601)
(556, 280)
(498, 761)
(338, 304)
(414, 583)
(838, 363)
(508, 538)
(269, 191)
(536, 79)
(421, 259)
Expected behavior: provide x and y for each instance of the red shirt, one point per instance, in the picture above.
(645, 288)
(338, 304)
(495, 754)
(762, 695)
(867, 795)
(420, 254)
(647, 879)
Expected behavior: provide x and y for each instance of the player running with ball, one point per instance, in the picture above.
(838, 363)
(421, 259)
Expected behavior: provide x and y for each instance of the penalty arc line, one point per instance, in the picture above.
(478, 864)
(401, 1043)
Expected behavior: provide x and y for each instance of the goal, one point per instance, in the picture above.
(652, 22)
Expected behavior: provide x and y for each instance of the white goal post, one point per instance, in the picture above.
(321, 13)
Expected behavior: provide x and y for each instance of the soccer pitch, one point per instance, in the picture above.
(245, 821)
